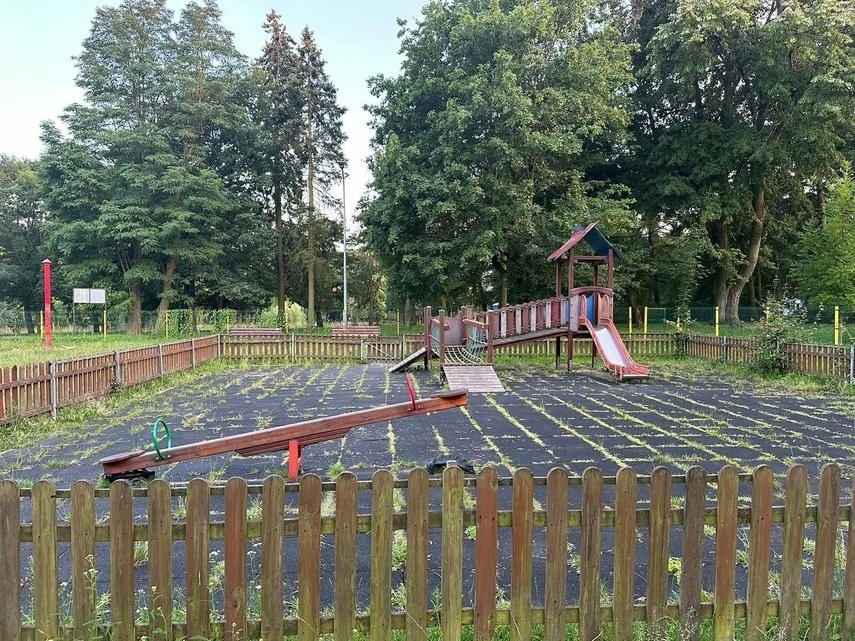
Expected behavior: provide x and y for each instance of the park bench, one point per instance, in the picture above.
(360, 331)
(256, 332)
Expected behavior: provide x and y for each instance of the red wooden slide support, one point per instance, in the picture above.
(291, 437)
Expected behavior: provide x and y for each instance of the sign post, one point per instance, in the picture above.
(48, 324)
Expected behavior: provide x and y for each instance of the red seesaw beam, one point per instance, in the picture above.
(292, 437)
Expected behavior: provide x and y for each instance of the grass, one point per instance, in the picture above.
(24, 349)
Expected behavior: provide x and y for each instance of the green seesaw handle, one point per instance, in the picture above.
(155, 439)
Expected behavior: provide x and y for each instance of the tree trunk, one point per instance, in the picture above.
(752, 254)
(503, 302)
(721, 238)
(752, 292)
(165, 298)
(280, 255)
(135, 317)
(310, 240)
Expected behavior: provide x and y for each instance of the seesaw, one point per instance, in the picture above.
(291, 437)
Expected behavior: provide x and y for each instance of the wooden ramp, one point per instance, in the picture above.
(409, 361)
(474, 378)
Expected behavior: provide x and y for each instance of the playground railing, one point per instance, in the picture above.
(771, 542)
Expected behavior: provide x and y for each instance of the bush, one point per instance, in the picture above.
(783, 323)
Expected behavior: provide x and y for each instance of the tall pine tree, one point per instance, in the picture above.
(281, 111)
(322, 140)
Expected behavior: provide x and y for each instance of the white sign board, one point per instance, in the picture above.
(96, 296)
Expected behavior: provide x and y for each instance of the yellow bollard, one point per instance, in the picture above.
(398, 320)
(630, 320)
(167, 325)
(104, 325)
(42, 324)
(836, 325)
(645, 319)
(716, 320)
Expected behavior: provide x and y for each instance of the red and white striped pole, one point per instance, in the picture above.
(48, 324)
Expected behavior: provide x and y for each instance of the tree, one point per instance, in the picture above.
(485, 144)
(22, 219)
(134, 166)
(280, 114)
(740, 107)
(825, 272)
(321, 144)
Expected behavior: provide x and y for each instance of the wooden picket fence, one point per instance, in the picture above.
(639, 514)
(295, 348)
(30, 390)
(837, 361)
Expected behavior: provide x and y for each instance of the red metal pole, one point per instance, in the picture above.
(48, 324)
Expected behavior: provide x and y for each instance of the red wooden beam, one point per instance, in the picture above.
(279, 438)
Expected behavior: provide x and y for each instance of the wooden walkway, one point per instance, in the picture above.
(474, 378)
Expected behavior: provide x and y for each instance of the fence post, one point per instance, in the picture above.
(53, 389)
(630, 320)
(852, 364)
(724, 350)
(837, 325)
(219, 346)
(193, 353)
(160, 358)
(117, 364)
(293, 348)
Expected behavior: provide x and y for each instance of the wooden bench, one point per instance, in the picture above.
(360, 331)
(256, 332)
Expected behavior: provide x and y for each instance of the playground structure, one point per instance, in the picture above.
(465, 344)
(291, 437)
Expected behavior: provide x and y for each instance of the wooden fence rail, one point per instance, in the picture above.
(642, 526)
(30, 390)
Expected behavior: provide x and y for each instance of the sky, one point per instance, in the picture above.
(39, 37)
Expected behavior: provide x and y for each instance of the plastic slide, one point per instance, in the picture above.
(614, 352)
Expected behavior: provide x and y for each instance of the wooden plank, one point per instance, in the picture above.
(725, 554)
(626, 500)
(826, 542)
(122, 561)
(590, 554)
(381, 556)
(272, 565)
(309, 553)
(452, 552)
(658, 550)
(521, 554)
(345, 556)
(556, 555)
(83, 588)
(10, 560)
(235, 560)
(197, 568)
(160, 559)
(791, 561)
(691, 564)
(417, 555)
(759, 550)
(848, 630)
(45, 591)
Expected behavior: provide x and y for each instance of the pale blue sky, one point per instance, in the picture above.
(39, 37)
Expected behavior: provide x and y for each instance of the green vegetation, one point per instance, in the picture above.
(23, 349)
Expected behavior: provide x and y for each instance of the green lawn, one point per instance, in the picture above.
(23, 349)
